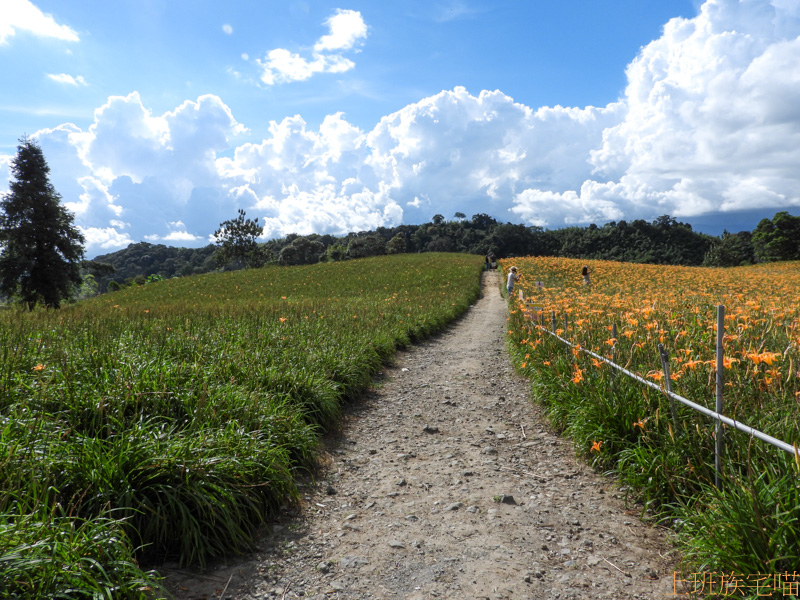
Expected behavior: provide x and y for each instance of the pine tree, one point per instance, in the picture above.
(237, 242)
(40, 248)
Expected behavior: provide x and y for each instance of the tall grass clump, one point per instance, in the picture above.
(45, 555)
(665, 453)
(171, 420)
(754, 516)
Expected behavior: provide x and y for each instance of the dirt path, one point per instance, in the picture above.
(446, 483)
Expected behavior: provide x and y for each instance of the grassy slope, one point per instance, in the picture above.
(171, 419)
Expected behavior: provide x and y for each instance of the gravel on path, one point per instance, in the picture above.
(445, 481)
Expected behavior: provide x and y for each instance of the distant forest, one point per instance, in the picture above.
(662, 241)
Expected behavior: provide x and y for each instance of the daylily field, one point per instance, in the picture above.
(752, 522)
(168, 421)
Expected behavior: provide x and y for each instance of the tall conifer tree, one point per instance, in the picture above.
(237, 241)
(40, 248)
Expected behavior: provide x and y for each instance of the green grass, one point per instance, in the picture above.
(46, 555)
(170, 420)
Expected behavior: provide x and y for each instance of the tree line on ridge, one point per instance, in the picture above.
(662, 241)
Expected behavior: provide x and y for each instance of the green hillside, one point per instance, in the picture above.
(169, 420)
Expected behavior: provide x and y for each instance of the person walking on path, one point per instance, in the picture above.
(512, 277)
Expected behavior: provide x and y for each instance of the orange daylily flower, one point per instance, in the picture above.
(765, 357)
(729, 362)
(596, 446)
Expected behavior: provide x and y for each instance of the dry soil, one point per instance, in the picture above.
(446, 482)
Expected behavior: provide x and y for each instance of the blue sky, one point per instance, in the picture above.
(159, 119)
(571, 52)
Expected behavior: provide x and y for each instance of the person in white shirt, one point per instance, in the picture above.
(512, 277)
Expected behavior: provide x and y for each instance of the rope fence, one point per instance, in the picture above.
(716, 414)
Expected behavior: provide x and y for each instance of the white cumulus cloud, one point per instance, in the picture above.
(346, 30)
(713, 115)
(99, 240)
(459, 152)
(450, 152)
(67, 79)
(23, 15)
(5, 169)
(134, 174)
(300, 180)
